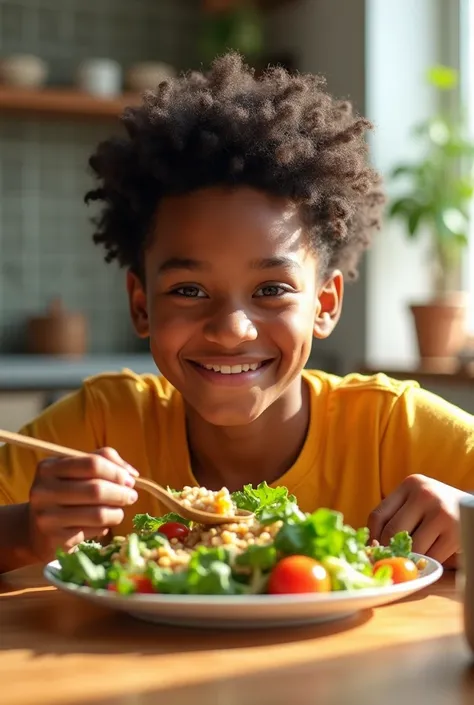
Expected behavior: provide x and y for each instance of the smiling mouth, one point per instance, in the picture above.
(234, 369)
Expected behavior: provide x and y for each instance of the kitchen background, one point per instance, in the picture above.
(373, 51)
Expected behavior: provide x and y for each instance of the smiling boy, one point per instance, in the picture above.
(238, 207)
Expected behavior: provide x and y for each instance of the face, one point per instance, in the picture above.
(232, 300)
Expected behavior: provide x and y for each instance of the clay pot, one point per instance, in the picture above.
(441, 326)
(59, 332)
(148, 75)
(23, 71)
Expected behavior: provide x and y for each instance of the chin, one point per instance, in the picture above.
(227, 417)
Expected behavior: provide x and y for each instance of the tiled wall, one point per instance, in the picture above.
(45, 233)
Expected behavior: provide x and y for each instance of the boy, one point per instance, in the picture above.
(238, 206)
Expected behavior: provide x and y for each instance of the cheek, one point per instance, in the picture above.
(293, 330)
(169, 333)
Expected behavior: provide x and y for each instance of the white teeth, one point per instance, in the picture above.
(234, 369)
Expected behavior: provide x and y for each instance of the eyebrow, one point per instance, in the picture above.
(274, 263)
(175, 263)
(181, 263)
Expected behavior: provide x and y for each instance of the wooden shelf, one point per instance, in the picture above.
(65, 103)
(455, 375)
(265, 5)
(269, 5)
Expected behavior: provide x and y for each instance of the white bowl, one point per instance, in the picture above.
(23, 71)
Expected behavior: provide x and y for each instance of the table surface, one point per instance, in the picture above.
(56, 649)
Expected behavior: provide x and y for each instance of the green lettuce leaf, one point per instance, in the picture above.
(93, 550)
(118, 574)
(257, 557)
(77, 568)
(135, 560)
(345, 577)
(209, 573)
(400, 544)
(323, 534)
(146, 524)
(268, 503)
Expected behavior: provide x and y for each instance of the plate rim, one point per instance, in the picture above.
(435, 569)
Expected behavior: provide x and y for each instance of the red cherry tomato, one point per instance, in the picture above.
(143, 585)
(298, 574)
(403, 569)
(174, 530)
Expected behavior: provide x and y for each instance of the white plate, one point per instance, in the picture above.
(230, 611)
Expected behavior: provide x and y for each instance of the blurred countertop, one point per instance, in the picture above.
(44, 373)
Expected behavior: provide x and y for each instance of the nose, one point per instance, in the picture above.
(230, 327)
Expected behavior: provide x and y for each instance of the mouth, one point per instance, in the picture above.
(234, 369)
(226, 373)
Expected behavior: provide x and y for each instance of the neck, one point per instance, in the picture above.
(262, 450)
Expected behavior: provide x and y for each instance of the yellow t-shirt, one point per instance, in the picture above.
(366, 434)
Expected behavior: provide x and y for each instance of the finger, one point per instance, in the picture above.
(452, 563)
(407, 518)
(88, 467)
(444, 548)
(81, 492)
(112, 455)
(97, 518)
(426, 534)
(385, 511)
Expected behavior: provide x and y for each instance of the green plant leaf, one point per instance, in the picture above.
(404, 170)
(455, 222)
(414, 219)
(464, 189)
(442, 77)
(439, 131)
(461, 240)
(400, 207)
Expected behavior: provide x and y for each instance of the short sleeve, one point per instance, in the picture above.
(74, 421)
(427, 435)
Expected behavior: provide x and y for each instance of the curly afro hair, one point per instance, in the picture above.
(278, 133)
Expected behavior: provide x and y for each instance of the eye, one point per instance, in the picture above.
(271, 290)
(189, 292)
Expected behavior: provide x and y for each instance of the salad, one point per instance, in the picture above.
(279, 550)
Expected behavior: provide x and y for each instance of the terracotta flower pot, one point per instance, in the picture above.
(57, 332)
(441, 326)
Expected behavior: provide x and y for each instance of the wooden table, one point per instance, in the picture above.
(58, 650)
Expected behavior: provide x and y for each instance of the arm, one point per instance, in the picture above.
(68, 422)
(427, 435)
(427, 464)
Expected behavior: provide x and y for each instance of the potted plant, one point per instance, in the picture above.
(439, 189)
(231, 24)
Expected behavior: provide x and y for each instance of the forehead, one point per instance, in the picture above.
(219, 220)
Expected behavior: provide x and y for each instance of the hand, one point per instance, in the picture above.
(428, 510)
(72, 500)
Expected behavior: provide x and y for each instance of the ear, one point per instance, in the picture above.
(329, 306)
(138, 305)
